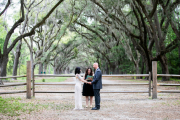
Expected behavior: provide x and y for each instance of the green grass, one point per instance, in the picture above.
(14, 107)
(171, 79)
(170, 103)
(22, 78)
(175, 79)
(55, 79)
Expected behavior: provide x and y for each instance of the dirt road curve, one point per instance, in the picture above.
(125, 106)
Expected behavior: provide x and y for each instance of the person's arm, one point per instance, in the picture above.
(78, 76)
(98, 75)
(84, 77)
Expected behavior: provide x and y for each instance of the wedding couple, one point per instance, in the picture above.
(96, 83)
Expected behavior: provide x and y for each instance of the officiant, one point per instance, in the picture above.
(88, 89)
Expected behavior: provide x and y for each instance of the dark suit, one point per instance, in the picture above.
(97, 85)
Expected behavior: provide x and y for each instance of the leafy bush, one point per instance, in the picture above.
(43, 80)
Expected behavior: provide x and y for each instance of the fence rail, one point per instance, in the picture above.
(13, 92)
(12, 77)
(168, 75)
(119, 84)
(19, 84)
(168, 91)
(111, 84)
(154, 84)
(123, 75)
(100, 92)
(168, 84)
(28, 82)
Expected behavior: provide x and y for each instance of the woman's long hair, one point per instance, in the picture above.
(77, 70)
(91, 73)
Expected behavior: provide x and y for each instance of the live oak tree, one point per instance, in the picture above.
(85, 57)
(8, 47)
(49, 35)
(66, 52)
(17, 52)
(146, 24)
(104, 41)
(122, 36)
(106, 51)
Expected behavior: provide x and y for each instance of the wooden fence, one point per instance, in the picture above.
(154, 84)
(28, 82)
(112, 84)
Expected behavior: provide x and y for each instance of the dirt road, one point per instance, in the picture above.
(125, 106)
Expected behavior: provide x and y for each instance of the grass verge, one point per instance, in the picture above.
(52, 79)
(55, 79)
(13, 107)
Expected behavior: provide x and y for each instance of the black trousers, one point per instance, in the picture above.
(97, 98)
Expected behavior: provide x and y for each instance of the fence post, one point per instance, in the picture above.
(154, 73)
(149, 83)
(33, 82)
(28, 80)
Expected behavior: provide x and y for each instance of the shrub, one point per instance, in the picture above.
(43, 80)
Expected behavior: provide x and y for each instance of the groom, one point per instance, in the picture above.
(97, 85)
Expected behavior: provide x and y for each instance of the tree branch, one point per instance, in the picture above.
(7, 5)
(36, 26)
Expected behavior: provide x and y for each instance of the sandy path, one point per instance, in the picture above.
(138, 106)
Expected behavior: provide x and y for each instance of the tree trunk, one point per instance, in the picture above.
(19, 68)
(117, 70)
(179, 57)
(41, 68)
(1, 82)
(113, 68)
(60, 71)
(16, 60)
(32, 66)
(4, 65)
(3, 61)
(164, 65)
(148, 65)
(68, 70)
(107, 69)
(142, 66)
(45, 68)
(55, 70)
(137, 70)
(49, 69)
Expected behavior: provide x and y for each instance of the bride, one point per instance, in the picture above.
(78, 89)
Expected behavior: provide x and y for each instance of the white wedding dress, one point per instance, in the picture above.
(78, 94)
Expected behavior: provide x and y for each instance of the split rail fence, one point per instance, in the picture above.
(152, 84)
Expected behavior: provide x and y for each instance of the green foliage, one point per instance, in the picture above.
(10, 64)
(43, 80)
(2, 33)
(72, 49)
(75, 52)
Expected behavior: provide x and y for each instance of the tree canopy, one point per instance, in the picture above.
(124, 37)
